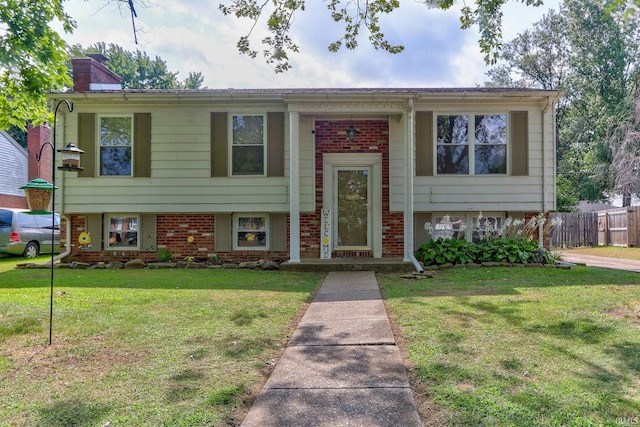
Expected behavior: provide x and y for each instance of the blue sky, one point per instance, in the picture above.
(194, 36)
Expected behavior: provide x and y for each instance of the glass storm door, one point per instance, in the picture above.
(351, 206)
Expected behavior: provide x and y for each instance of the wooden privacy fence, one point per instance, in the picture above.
(616, 227)
(576, 229)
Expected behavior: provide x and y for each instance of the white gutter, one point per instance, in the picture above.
(545, 142)
(67, 244)
(408, 200)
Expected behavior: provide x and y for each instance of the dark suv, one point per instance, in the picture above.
(28, 235)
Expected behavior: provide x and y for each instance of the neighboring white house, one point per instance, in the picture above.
(13, 172)
(296, 173)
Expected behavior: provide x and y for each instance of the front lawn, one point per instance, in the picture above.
(516, 347)
(141, 347)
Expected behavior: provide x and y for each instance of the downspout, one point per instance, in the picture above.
(67, 250)
(544, 168)
(409, 170)
(67, 245)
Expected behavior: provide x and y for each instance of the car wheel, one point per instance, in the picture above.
(31, 250)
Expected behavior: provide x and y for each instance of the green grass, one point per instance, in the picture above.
(140, 347)
(607, 251)
(515, 347)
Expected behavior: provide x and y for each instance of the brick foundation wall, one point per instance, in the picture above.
(172, 233)
(373, 138)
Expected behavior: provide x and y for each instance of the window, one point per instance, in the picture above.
(122, 232)
(487, 134)
(116, 140)
(485, 228)
(491, 144)
(471, 227)
(250, 232)
(453, 144)
(248, 145)
(449, 227)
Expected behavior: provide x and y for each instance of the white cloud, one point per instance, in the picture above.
(195, 36)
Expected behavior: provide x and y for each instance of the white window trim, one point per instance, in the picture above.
(236, 231)
(471, 142)
(264, 144)
(98, 154)
(468, 220)
(107, 230)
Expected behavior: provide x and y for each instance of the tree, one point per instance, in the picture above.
(589, 51)
(356, 16)
(32, 59)
(536, 58)
(625, 147)
(138, 70)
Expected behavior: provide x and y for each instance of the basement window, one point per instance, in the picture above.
(122, 232)
(250, 232)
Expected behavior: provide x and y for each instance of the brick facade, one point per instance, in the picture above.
(172, 233)
(10, 201)
(373, 137)
(173, 230)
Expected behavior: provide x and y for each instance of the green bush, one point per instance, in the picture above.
(165, 255)
(454, 251)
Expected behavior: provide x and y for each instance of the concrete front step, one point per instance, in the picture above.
(379, 265)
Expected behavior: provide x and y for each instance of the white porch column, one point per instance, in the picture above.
(294, 187)
(408, 188)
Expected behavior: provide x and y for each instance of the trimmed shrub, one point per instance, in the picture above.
(454, 251)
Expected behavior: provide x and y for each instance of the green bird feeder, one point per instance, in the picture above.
(39, 193)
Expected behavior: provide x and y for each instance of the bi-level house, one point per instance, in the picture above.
(296, 174)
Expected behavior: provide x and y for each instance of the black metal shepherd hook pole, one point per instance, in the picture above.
(53, 203)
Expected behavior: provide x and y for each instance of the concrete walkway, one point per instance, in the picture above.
(604, 262)
(341, 366)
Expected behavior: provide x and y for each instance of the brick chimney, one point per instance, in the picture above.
(90, 73)
(36, 137)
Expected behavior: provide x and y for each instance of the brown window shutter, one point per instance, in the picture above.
(87, 143)
(519, 143)
(142, 144)
(275, 144)
(420, 235)
(93, 226)
(223, 233)
(424, 143)
(219, 145)
(278, 232)
(148, 236)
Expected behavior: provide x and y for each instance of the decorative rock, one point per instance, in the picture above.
(158, 265)
(79, 265)
(534, 265)
(230, 266)
(189, 264)
(492, 264)
(115, 265)
(249, 265)
(270, 265)
(135, 264)
(215, 266)
(419, 276)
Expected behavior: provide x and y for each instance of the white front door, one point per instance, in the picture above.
(351, 213)
(352, 190)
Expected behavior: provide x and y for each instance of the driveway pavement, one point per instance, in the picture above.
(604, 262)
(341, 366)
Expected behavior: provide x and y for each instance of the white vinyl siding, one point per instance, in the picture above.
(180, 173)
(462, 193)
